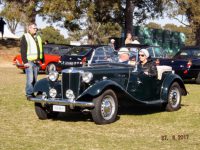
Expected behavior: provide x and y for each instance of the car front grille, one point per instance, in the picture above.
(71, 80)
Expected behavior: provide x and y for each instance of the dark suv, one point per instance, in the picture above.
(186, 63)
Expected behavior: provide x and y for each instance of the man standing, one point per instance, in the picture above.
(2, 23)
(32, 53)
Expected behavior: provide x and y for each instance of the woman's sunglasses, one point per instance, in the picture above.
(141, 55)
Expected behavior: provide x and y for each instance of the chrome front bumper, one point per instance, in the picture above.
(65, 102)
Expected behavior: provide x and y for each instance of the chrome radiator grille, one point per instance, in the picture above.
(71, 80)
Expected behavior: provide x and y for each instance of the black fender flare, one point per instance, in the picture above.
(97, 88)
(169, 79)
(42, 86)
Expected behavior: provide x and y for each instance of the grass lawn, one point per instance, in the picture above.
(20, 129)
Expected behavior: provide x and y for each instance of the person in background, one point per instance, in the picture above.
(46, 42)
(135, 40)
(32, 53)
(112, 43)
(147, 64)
(129, 38)
(2, 23)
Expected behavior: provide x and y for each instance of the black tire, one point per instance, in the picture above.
(198, 79)
(50, 67)
(106, 108)
(174, 97)
(44, 112)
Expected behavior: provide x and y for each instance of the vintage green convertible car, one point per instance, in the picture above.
(100, 89)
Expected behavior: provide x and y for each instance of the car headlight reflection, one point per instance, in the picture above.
(87, 77)
(53, 76)
(70, 94)
(52, 93)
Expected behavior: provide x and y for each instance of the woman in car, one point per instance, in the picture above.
(146, 63)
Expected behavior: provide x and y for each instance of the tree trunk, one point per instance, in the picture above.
(129, 16)
(197, 36)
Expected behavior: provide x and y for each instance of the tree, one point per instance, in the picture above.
(190, 39)
(153, 25)
(136, 11)
(12, 15)
(20, 12)
(53, 36)
(91, 15)
(190, 9)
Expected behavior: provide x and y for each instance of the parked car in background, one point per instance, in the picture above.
(52, 53)
(84, 55)
(186, 63)
(101, 88)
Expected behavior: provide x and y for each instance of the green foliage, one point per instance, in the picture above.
(190, 37)
(90, 15)
(95, 17)
(53, 36)
(12, 15)
(191, 10)
(153, 25)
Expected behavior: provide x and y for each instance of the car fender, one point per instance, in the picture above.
(169, 79)
(97, 88)
(42, 86)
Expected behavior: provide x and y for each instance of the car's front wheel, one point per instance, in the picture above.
(44, 112)
(174, 97)
(106, 107)
(50, 67)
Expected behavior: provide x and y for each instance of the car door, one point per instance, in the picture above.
(143, 87)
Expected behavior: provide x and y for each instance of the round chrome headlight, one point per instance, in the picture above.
(70, 94)
(52, 93)
(53, 76)
(87, 77)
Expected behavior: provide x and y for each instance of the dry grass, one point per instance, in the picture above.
(20, 129)
(7, 54)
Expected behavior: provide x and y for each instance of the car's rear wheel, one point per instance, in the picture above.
(106, 107)
(50, 67)
(198, 79)
(174, 97)
(44, 112)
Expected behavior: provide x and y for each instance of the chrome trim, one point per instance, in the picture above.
(72, 70)
(66, 102)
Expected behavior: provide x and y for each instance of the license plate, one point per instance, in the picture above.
(58, 108)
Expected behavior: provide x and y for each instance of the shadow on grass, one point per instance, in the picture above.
(74, 117)
(133, 110)
(140, 110)
(9, 43)
(190, 82)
